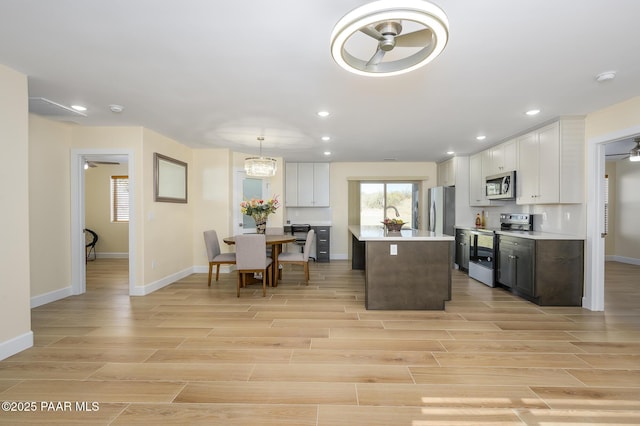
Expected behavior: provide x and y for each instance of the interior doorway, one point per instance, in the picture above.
(107, 220)
(79, 159)
(593, 298)
(246, 188)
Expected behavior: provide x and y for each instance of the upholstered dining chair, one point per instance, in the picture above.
(273, 230)
(215, 256)
(251, 259)
(300, 258)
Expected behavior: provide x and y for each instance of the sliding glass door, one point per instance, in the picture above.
(379, 200)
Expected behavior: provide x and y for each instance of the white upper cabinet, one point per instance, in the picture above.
(478, 164)
(307, 185)
(503, 158)
(551, 164)
(447, 173)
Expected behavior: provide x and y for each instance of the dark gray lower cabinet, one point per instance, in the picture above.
(515, 264)
(547, 272)
(323, 243)
(462, 249)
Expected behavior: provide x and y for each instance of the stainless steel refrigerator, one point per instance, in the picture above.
(442, 209)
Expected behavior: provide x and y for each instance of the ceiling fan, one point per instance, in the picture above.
(95, 163)
(632, 155)
(426, 31)
(389, 35)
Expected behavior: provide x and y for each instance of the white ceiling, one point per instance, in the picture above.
(214, 73)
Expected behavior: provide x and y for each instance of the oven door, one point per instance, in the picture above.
(481, 257)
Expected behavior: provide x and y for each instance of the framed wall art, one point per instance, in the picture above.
(170, 179)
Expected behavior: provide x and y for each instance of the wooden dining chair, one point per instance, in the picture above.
(251, 259)
(300, 258)
(215, 256)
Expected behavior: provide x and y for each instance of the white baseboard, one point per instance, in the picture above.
(622, 259)
(15, 345)
(52, 296)
(224, 269)
(112, 255)
(156, 285)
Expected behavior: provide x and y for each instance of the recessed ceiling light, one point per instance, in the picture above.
(327, 153)
(116, 108)
(605, 76)
(323, 113)
(481, 137)
(450, 152)
(326, 138)
(533, 112)
(79, 107)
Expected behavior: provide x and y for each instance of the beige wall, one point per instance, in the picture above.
(113, 237)
(212, 197)
(613, 118)
(341, 173)
(15, 323)
(50, 206)
(168, 241)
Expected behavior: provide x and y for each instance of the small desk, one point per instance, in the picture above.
(276, 242)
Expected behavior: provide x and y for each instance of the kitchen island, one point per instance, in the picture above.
(406, 270)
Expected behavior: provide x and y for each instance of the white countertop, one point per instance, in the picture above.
(533, 235)
(378, 233)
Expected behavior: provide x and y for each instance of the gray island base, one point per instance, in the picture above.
(410, 270)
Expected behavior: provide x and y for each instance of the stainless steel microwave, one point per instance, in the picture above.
(501, 187)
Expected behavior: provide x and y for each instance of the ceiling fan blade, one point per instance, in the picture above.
(371, 32)
(376, 58)
(420, 38)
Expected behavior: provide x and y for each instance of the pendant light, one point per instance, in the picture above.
(634, 154)
(260, 166)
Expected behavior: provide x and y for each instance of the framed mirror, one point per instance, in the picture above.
(170, 179)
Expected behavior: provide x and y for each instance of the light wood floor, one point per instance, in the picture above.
(188, 354)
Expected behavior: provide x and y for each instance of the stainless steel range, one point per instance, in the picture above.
(516, 222)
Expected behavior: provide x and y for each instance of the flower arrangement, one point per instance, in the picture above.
(259, 210)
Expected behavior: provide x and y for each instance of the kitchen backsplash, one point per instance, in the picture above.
(555, 218)
(308, 215)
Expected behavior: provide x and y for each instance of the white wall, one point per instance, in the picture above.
(15, 314)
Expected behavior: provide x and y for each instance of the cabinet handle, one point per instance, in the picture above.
(512, 256)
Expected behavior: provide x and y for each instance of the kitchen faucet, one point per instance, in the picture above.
(394, 209)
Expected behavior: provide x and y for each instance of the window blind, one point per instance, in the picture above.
(120, 198)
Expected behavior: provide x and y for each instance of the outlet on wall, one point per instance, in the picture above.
(393, 249)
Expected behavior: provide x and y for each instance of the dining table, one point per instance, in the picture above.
(275, 241)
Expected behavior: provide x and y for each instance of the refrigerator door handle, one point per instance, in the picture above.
(432, 217)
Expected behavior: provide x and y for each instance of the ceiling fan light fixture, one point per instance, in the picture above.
(372, 19)
(260, 166)
(634, 154)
